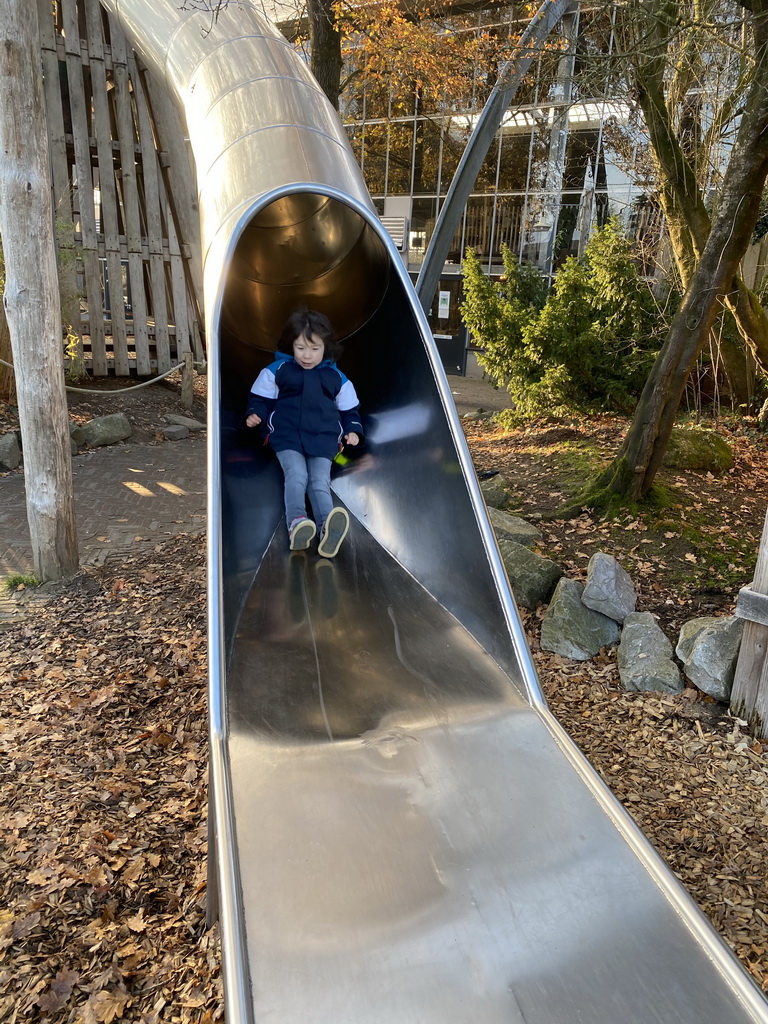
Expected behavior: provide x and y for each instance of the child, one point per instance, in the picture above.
(308, 407)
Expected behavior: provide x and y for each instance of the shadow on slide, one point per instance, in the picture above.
(400, 831)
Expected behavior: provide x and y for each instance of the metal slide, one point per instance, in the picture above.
(401, 832)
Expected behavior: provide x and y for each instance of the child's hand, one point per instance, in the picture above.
(253, 420)
(352, 438)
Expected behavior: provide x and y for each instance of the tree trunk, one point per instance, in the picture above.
(31, 295)
(631, 474)
(681, 198)
(739, 369)
(325, 43)
(7, 378)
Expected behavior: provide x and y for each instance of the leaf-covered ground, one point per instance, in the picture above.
(687, 558)
(103, 829)
(103, 733)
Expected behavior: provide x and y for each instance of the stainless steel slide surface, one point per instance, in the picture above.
(418, 846)
(400, 831)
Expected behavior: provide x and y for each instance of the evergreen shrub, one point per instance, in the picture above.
(588, 345)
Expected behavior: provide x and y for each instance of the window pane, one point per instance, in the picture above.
(400, 153)
(427, 162)
(374, 149)
(457, 132)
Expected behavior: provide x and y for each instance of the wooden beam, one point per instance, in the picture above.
(749, 697)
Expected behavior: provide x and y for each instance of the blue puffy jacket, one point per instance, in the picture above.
(306, 411)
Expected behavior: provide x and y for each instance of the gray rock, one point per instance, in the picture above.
(609, 588)
(107, 429)
(10, 452)
(688, 633)
(192, 425)
(77, 433)
(72, 445)
(175, 432)
(571, 629)
(645, 656)
(531, 577)
(507, 527)
(495, 491)
(709, 649)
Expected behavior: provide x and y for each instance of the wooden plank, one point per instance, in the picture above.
(115, 271)
(83, 201)
(748, 268)
(177, 171)
(752, 605)
(153, 193)
(150, 171)
(160, 311)
(196, 337)
(64, 223)
(80, 125)
(109, 196)
(749, 697)
(140, 314)
(178, 293)
(92, 271)
(126, 128)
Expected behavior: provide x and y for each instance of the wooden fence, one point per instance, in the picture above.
(130, 288)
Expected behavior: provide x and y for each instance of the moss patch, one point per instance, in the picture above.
(698, 450)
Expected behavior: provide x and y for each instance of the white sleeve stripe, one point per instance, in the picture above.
(347, 397)
(265, 385)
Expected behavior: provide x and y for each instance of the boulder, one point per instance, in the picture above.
(571, 629)
(10, 452)
(507, 527)
(77, 433)
(495, 491)
(531, 577)
(175, 432)
(698, 449)
(192, 425)
(609, 588)
(107, 429)
(645, 656)
(709, 648)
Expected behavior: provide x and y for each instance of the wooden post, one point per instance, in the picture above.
(32, 294)
(749, 698)
(187, 381)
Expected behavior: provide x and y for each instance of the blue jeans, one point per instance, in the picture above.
(306, 474)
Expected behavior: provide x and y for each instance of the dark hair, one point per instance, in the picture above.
(306, 322)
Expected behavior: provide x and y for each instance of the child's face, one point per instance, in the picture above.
(308, 353)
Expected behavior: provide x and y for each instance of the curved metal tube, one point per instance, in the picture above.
(409, 819)
(502, 94)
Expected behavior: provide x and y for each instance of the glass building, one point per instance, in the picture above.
(562, 161)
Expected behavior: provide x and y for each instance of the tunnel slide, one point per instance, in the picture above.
(400, 830)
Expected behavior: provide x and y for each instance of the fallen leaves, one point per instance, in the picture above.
(103, 738)
(103, 828)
